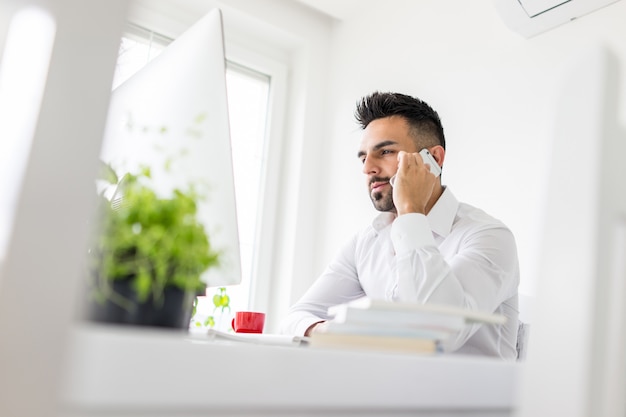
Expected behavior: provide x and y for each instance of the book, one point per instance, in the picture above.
(434, 316)
(395, 330)
(395, 326)
(375, 343)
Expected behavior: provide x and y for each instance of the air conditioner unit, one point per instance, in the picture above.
(531, 17)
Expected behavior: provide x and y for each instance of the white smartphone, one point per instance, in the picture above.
(435, 169)
(428, 159)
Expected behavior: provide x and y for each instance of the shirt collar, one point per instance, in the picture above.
(383, 220)
(440, 218)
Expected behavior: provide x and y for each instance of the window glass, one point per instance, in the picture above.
(137, 48)
(248, 93)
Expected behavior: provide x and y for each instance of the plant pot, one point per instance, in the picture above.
(173, 311)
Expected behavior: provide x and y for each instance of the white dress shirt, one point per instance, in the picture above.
(456, 255)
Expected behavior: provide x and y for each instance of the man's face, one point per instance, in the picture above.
(381, 142)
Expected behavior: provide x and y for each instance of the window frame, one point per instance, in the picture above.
(261, 296)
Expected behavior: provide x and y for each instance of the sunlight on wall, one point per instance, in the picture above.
(23, 72)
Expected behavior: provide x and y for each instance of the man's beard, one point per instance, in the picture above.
(383, 201)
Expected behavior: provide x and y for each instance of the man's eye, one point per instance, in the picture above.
(386, 152)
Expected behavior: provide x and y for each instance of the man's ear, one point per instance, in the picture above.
(438, 153)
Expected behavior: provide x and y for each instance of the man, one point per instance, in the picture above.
(424, 246)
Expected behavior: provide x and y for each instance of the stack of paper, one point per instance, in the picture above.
(401, 327)
(256, 338)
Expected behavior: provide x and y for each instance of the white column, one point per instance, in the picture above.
(576, 365)
(42, 265)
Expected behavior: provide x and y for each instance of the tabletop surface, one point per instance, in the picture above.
(132, 367)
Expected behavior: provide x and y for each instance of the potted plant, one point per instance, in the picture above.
(221, 301)
(147, 255)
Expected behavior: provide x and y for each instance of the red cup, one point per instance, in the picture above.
(248, 322)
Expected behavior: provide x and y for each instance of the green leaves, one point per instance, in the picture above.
(107, 173)
(154, 241)
(221, 300)
(209, 322)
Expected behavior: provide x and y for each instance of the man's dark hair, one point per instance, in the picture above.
(424, 122)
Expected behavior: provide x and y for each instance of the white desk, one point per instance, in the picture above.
(135, 372)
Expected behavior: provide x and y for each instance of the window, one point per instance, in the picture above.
(137, 48)
(248, 95)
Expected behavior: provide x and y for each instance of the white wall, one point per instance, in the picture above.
(493, 89)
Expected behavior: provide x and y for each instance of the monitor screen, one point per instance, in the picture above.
(172, 116)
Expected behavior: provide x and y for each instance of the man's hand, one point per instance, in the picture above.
(319, 327)
(414, 184)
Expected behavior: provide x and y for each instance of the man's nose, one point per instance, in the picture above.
(370, 166)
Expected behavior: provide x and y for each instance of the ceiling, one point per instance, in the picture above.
(338, 9)
(527, 17)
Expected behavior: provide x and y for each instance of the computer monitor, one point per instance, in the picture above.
(175, 109)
